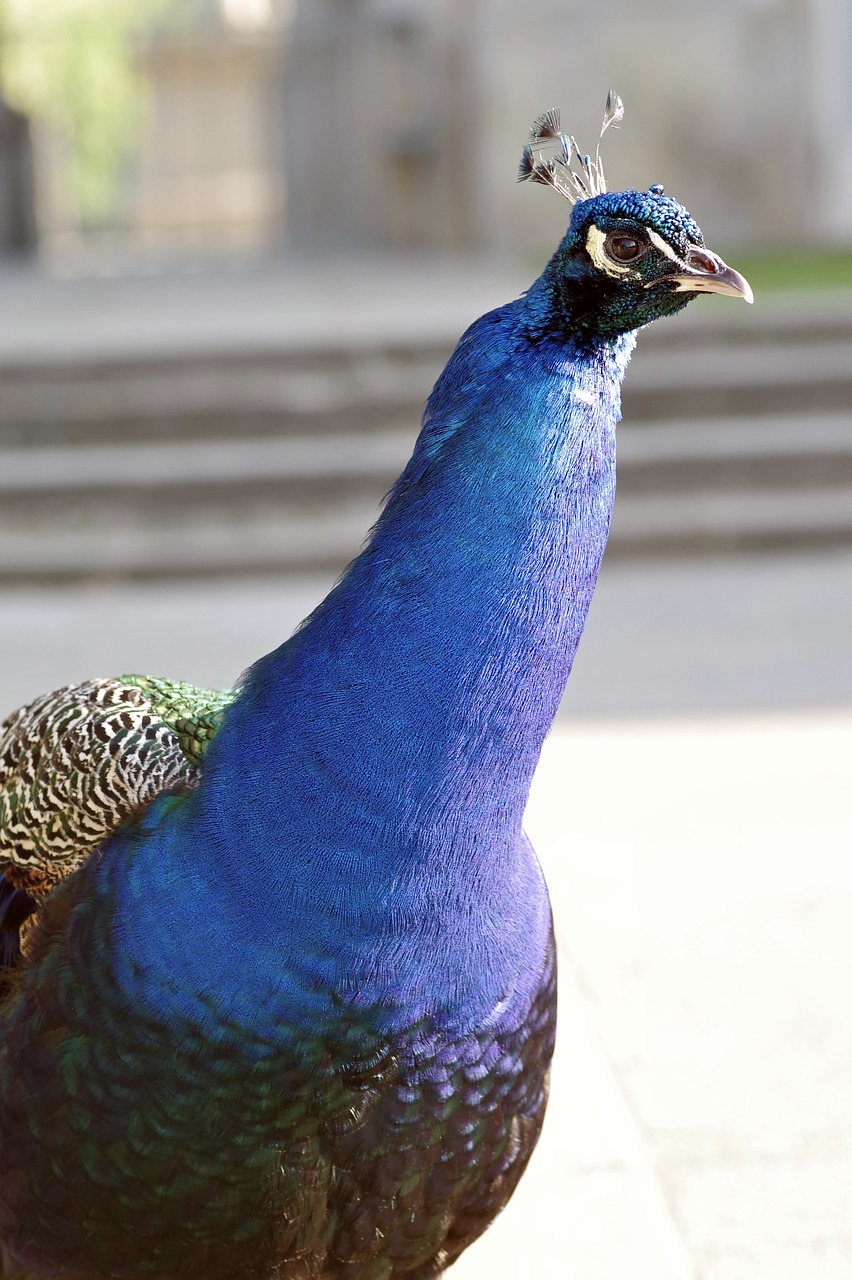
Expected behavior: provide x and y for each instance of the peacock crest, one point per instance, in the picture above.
(569, 171)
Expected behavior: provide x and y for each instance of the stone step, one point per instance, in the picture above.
(775, 451)
(286, 467)
(173, 536)
(720, 521)
(365, 387)
(215, 398)
(252, 541)
(709, 381)
(780, 452)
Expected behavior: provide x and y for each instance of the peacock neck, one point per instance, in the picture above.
(362, 802)
(414, 702)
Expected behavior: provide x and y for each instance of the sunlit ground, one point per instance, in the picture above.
(701, 1120)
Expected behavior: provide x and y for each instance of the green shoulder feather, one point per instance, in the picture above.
(77, 763)
(193, 714)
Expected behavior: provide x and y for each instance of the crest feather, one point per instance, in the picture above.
(613, 112)
(569, 171)
(546, 127)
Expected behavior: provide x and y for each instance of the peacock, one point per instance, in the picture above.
(279, 965)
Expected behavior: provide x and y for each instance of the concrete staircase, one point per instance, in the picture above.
(198, 453)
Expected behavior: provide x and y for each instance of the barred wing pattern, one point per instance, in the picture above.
(77, 763)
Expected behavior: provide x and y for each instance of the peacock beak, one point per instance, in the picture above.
(704, 272)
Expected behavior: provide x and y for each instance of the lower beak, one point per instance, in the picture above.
(705, 272)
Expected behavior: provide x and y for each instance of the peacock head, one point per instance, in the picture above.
(628, 257)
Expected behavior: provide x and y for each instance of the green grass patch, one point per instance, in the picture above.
(795, 268)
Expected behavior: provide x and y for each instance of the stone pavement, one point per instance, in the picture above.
(692, 814)
(702, 1114)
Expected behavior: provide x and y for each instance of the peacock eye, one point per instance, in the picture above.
(624, 248)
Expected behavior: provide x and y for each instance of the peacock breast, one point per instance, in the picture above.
(188, 1145)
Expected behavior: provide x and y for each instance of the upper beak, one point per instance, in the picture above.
(705, 272)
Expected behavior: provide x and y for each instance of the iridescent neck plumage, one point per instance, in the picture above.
(436, 666)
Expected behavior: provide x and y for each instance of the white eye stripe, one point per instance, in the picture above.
(595, 247)
(595, 239)
(663, 246)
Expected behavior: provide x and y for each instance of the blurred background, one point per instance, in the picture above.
(239, 239)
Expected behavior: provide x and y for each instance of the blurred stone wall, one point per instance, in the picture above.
(206, 170)
(18, 230)
(350, 125)
(208, 167)
(376, 94)
(404, 118)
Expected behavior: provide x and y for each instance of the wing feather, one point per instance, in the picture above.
(77, 763)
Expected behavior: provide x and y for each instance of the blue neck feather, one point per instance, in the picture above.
(368, 787)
